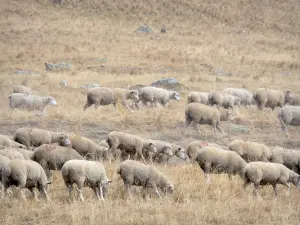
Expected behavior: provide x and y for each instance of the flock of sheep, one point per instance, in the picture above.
(28, 159)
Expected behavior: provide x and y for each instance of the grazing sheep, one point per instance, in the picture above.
(289, 115)
(30, 102)
(202, 114)
(200, 97)
(264, 173)
(178, 152)
(85, 174)
(292, 99)
(265, 97)
(245, 96)
(139, 174)
(11, 154)
(162, 147)
(25, 153)
(4, 162)
(53, 157)
(5, 141)
(288, 157)
(211, 159)
(35, 137)
(107, 96)
(222, 99)
(157, 96)
(130, 144)
(251, 151)
(22, 89)
(25, 174)
(87, 148)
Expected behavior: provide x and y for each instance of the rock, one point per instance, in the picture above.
(163, 30)
(221, 72)
(63, 83)
(165, 81)
(57, 67)
(89, 86)
(27, 72)
(170, 83)
(144, 29)
(287, 73)
(58, 1)
(238, 128)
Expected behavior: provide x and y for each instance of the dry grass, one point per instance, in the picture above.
(255, 43)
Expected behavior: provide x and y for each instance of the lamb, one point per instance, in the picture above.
(25, 174)
(251, 151)
(130, 144)
(264, 173)
(5, 141)
(54, 157)
(289, 115)
(30, 102)
(288, 157)
(22, 89)
(222, 99)
(35, 137)
(211, 159)
(245, 96)
(200, 97)
(265, 97)
(202, 114)
(85, 174)
(157, 96)
(138, 174)
(87, 148)
(292, 100)
(106, 96)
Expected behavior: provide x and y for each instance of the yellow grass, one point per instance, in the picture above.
(256, 42)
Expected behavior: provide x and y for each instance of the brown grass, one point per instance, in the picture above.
(255, 43)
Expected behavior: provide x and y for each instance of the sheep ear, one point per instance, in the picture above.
(109, 181)
(150, 144)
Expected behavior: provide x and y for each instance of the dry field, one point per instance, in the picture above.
(256, 43)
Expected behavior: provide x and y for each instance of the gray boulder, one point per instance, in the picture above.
(89, 86)
(58, 66)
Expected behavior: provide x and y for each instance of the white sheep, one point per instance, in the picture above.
(30, 102)
(194, 146)
(217, 160)
(35, 137)
(21, 89)
(85, 174)
(200, 97)
(265, 97)
(106, 96)
(245, 96)
(292, 99)
(139, 174)
(157, 96)
(202, 114)
(251, 151)
(226, 100)
(289, 115)
(264, 173)
(4, 162)
(6, 141)
(178, 152)
(25, 174)
(11, 154)
(131, 144)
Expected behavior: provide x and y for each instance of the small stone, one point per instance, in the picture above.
(89, 86)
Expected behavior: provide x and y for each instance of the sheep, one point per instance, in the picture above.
(264, 173)
(162, 148)
(4, 161)
(177, 151)
(11, 154)
(87, 148)
(288, 157)
(265, 97)
(105, 96)
(212, 159)
(85, 174)
(251, 151)
(35, 137)
(25, 174)
(5, 141)
(289, 115)
(245, 96)
(30, 102)
(292, 99)
(222, 99)
(201, 97)
(139, 174)
(157, 96)
(54, 157)
(129, 144)
(21, 89)
(203, 114)
(27, 154)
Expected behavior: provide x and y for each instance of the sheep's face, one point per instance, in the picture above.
(176, 96)
(105, 188)
(229, 115)
(134, 95)
(288, 97)
(64, 140)
(181, 153)
(52, 101)
(152, 148)
(170, 188)
(167, 150)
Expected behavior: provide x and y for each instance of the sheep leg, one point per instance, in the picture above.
(127, 187)
(275, 190)
(70, 189)
(96, 190)
(101, 193)
(80, 192)
(23, 195)
(126, 106)
(207, 176)
(255, 189)
(145, 192)
(34, 195)
(157, 192)
(218, 126)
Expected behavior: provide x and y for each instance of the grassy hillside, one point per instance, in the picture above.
(253, 43)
